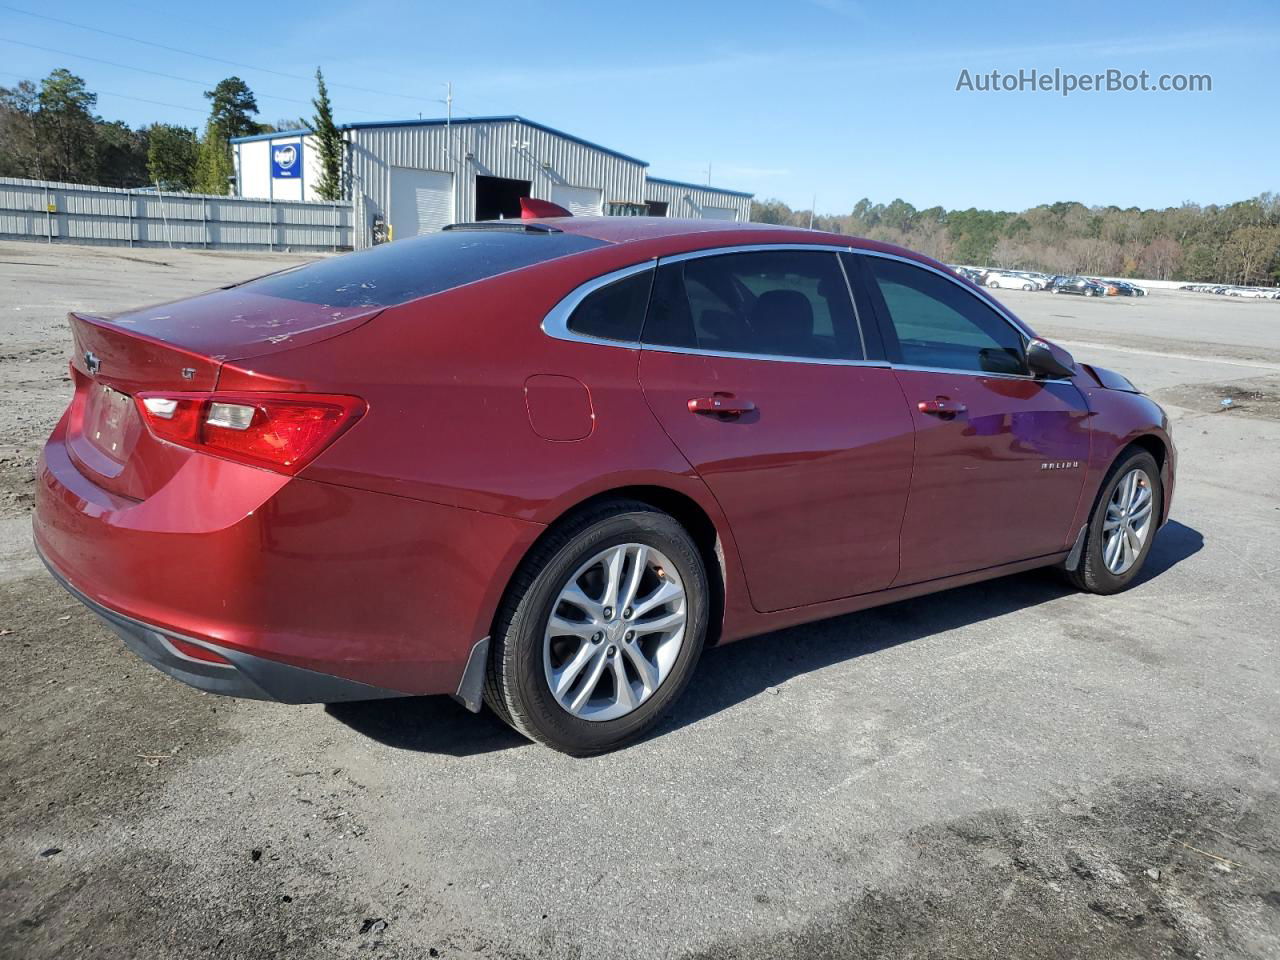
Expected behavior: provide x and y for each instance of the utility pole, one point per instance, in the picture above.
(812, 208)
(708, 173)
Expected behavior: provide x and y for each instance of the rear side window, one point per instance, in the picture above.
(777, 303)
(614, 312)
(940, 324)
(405, 270)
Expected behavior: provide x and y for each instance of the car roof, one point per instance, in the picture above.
(711, 233)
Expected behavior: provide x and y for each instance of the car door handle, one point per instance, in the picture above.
(722, 405)
(942, 407)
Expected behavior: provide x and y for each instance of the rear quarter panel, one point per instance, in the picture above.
(449, 422)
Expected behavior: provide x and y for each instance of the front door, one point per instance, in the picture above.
(754, 364)
(1000, 455)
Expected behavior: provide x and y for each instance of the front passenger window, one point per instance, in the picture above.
(939, 324)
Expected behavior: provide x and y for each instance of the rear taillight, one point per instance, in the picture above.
(278, 431)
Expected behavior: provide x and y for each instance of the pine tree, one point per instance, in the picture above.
(213, 162)
(329, 141)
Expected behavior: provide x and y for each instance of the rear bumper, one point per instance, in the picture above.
(255, 678)
(314, 592)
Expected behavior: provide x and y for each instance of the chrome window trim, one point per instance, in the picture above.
(775, 358)
(751, 248)
(910, 368)
(556, 322)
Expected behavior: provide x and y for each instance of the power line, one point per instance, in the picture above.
(202, 56)
(157, 73)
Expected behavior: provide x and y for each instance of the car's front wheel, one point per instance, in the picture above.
(1123, 524)
(600, 630)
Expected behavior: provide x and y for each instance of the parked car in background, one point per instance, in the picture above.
(542, 464)
(1126, 289)
(999, 280)
(1079, 285)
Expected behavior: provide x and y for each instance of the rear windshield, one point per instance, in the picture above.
(417, 267)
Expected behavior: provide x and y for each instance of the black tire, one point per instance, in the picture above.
(516, 687)
(1092, 574)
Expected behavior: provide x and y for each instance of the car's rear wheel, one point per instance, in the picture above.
(1123, 524)
(1026, 286)
(1088, 291)
(601, 629)
(993, 284)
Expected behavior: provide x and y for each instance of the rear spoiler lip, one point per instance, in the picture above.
(187, 357)
(104, 323)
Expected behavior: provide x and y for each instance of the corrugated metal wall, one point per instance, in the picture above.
(499, 149)
(687, 200)
(74, 213)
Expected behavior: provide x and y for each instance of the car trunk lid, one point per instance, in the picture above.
(176, 346)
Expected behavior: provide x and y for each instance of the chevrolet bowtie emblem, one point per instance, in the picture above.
(91, 362)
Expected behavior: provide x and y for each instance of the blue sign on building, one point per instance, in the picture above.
(286, 161)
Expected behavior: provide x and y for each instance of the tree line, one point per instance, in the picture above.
(51, 131)
(1236, 243)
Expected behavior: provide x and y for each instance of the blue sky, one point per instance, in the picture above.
(838, 98)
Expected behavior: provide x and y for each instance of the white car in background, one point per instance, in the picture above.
(1003, 280)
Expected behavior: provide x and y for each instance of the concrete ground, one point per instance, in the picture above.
(1005, 770)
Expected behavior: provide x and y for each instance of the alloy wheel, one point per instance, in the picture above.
(1128, 521)
(614, 632)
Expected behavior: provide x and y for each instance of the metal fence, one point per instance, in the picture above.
(74, 213)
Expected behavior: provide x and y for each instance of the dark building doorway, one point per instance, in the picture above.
(498, 198)
(657, 208)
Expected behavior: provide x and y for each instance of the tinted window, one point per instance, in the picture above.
(789, 303)
(416, 267)
(940, 324)
(615, 312)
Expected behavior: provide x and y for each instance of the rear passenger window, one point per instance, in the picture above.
(777, 303)
(616, 311)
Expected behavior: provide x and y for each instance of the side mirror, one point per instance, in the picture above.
(1049, 360)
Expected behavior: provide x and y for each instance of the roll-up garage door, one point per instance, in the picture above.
(719, 213)
(580, 201)
(421, 201)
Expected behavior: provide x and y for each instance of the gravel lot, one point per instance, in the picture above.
(1006, 770)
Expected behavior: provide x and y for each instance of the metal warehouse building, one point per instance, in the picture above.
(414, 176)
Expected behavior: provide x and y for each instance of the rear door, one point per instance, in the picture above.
(755, 365)
(1000, 455)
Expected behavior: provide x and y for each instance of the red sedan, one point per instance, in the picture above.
(540, 464)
